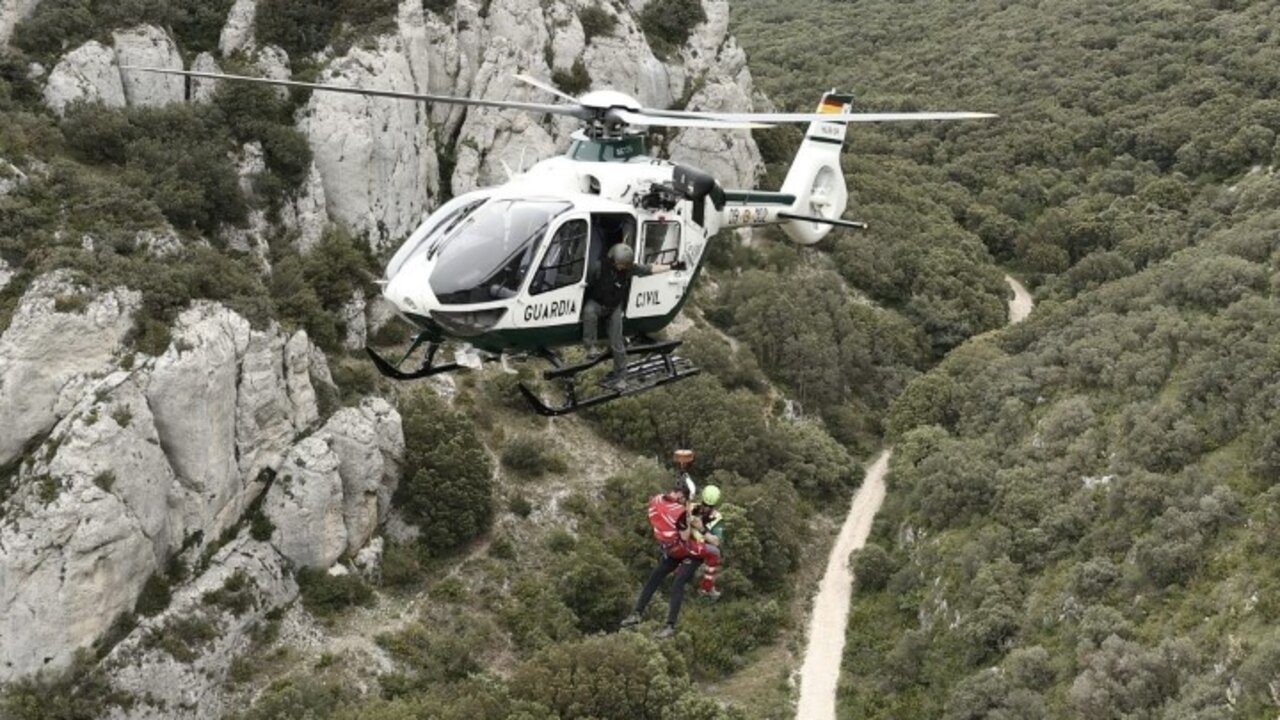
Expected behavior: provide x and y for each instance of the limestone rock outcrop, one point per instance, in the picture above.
(88, 73)
(177, 663)
(58, 338)
(92, 72)
(377, 157)
(130, 459)
(237, 34)
(149, 46)
(334, 488)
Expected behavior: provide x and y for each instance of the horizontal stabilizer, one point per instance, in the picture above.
(838, 222)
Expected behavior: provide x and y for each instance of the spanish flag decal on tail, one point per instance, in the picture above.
(834, 103)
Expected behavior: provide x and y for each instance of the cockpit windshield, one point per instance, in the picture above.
(487, 255)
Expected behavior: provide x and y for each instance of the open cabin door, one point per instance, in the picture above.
(556, 289)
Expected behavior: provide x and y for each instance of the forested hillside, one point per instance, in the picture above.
(1082, 513)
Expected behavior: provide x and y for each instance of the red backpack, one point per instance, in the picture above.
(664, 515)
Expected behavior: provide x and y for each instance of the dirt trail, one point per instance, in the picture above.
(821, 667)
(1020, 305)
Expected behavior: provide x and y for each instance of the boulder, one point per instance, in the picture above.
(353, 315)
(59, 334)
(88, 73)
(237, 34)
(246, 580)
(149, 46)
(6, 274)
(369, 443)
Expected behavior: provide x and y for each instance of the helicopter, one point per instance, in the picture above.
(505, 269)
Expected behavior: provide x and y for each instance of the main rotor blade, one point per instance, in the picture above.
(645, 118)
(775, 118)
(575, 111)
(543, 86)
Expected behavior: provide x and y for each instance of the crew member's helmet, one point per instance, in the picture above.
(622, 255)
(711, 495)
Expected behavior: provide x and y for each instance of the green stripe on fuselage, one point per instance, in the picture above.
(554, 336)
(757, 197)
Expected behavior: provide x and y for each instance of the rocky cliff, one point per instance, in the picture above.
(115, 465)
(382, 165)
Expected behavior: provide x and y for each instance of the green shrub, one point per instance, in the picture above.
(872, 568)
(519, 506)
(529, 457)
(668, 23)
(183, 638)
(326, 595)
(574, 81)
(595, 586)
(236, 595)
(596, 22)
(82, 692)
(155, 596)
(447, 489)
(402, 566)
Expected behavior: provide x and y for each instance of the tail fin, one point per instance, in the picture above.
(815, 177)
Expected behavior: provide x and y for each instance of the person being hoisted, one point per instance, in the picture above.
(673, 522)
(608, 291)
(709, 529)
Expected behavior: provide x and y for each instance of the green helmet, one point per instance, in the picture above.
(711, 495)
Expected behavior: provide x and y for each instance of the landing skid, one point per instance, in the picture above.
(656, 365)
(427, 369)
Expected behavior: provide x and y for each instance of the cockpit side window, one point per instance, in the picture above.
(566, 259)
(661, 243)
(489, 254)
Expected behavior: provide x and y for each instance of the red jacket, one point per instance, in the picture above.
(667, 517)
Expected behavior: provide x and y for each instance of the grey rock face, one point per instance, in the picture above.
(334, 489)
(137, 462)
(50, 348)
(149, 46)
(245, 581)
(237, 34)
(88, 73)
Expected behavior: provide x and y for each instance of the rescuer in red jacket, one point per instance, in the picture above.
(670, 518)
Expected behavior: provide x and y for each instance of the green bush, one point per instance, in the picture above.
(528, 457)
(595, 586)
(872, 568)
(326, 595)
(596, 22)
(668, 23)
(574, 81)
(82, 692)
(447, 488)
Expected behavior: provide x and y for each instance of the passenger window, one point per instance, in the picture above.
(565, 260)
(661, 243)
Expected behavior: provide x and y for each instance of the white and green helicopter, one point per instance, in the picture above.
(505, 269)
